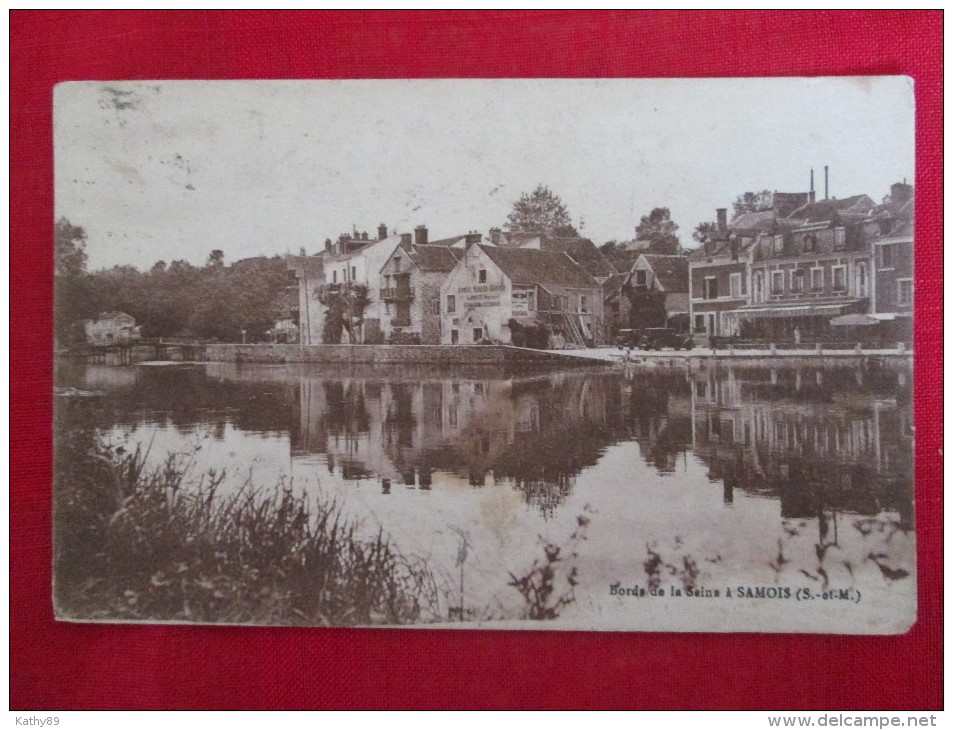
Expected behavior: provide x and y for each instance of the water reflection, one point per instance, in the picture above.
(812, 439)
(815, 440)
(714, 475)
(535, 432)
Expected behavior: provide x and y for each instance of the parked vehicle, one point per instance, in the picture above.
(658, 338)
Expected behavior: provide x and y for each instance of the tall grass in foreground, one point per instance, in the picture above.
(134, 542)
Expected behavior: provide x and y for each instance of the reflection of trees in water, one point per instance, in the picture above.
(345, 411)
(578, 419)
(539, 432)
(663, 433)
(186, 396)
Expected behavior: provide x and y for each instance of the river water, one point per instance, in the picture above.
(745, 499)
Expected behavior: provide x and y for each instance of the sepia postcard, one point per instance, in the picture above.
(610, 355)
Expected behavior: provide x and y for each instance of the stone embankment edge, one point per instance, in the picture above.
(396, 355)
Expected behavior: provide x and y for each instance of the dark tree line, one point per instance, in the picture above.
(177, 299)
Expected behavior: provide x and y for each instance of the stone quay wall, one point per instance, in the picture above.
(394, 355)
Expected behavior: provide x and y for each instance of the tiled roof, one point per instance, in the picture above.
(761, 220)
(671, 271)
(434, 257)
(581, 250)
(824, 210)
(111, 315)
(636, 246)
(529, 266)
(786, 203)
(612, 287)
(447, 241)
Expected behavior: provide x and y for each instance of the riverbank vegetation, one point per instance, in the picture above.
(173, 299)
(149, 543)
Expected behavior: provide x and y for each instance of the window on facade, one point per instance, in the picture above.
(641, 277)
(840, 239)
(435, 307)
(531, 301)
(699, 322)
(711, 287)
(759, 287)
(454, 337)
(387, 308)
(451, 303)
(797, 281)
(334, 277)
(477, 334)
(779, 244)
(353, 273)
(483, 276)
(810, 242)
(817, 279)
(861, 280)
(397, 263)
(777, 282)
(904, 291)
(735, 284)
(887, 255)
(583, 304)
(840, 278)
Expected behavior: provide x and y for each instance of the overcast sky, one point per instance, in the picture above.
(172, 170)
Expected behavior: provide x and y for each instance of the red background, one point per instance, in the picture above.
(63, 666)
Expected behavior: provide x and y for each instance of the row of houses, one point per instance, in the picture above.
(459, 290)
(795, 269)
(802, 269)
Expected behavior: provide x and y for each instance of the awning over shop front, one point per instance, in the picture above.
(862, 320)
(797, 309)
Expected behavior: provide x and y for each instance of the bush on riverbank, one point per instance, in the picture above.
(142, 543)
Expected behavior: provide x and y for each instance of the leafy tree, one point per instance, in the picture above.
(71, 297)
(540, 212)
(216, 258)
(617, 255)
(70, 248)
(704, 230)
(750, 202)
(658, 229)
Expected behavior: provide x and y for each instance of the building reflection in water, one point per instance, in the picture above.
(837, 440)
(831, 441)
(535, 432)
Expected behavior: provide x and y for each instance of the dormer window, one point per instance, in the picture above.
(810, 242)
(840, 239)
(778, 245)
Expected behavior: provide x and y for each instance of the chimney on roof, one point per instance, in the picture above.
(363, 235)
(496, 236)
(901, 193)
(420, 235)
(722, 219)
(327, 245)
(825, 183)
(473, 237)
(406, 241)
(381, 232)
(810, 197)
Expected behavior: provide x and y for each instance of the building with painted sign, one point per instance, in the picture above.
(492, 288)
